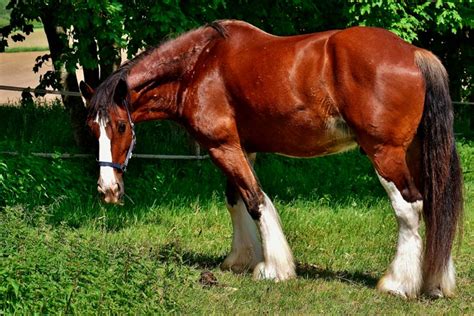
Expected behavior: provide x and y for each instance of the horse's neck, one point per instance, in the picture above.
(157, 102)
(154, 77)
(169, 61)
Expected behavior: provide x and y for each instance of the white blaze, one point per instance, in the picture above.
(105, 154)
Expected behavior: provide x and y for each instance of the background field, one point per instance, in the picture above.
(61, 251)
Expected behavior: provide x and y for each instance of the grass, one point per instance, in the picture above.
(4, 21)
(61, 251)
(4, 13)
(27, 49)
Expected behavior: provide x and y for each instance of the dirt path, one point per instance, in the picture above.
(16, 70)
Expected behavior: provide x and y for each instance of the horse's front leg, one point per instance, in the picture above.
(246, 250)
(277, 261)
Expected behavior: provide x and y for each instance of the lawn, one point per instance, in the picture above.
(62, 251)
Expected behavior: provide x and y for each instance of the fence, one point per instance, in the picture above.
(197, 155)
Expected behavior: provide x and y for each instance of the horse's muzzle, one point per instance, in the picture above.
(112, 194)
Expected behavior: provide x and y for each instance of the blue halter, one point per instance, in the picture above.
(118, 166)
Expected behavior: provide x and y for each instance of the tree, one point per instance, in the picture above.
(70, 27)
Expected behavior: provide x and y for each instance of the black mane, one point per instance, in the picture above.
(102, 99)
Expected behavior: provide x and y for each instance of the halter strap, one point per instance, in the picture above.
(118, 166)
(111, 164)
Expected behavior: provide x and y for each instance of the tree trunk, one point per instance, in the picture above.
(73, 104)
(91, 75)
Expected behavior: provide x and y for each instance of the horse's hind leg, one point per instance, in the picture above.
(278, 260)
(246, 250)
(404, 276)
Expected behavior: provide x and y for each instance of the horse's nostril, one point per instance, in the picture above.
(118, 188)
(100, 189)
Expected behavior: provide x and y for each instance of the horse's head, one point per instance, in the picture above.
(112, 125)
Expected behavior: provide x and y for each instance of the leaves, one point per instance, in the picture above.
(407, 19)
(18, 37)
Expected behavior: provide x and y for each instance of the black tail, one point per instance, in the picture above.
(441, 171)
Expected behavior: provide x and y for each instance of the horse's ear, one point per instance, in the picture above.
(86, 91)
(121, 91)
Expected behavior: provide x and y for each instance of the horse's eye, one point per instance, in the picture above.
(121, 127)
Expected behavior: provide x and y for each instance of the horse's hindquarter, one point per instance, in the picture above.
(377, 86)
(277, 88)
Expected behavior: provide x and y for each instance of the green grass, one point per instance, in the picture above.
(4, 13)
(26, 49)
(61, 251)
(4, 21)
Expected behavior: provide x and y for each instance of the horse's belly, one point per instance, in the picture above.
(299, 140)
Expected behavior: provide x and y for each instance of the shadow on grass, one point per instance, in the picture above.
(337, 180)
(172, 252)
(310, 271)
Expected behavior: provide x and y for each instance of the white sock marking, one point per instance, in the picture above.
(404, 275)
(278, 264)
(246, 246)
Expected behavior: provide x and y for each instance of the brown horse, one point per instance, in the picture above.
(239, 91)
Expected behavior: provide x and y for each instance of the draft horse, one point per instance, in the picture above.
(239, 91)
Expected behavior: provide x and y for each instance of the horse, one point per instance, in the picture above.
(239, 90)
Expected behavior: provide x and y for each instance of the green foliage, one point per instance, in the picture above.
(26, 179)
(409, 19)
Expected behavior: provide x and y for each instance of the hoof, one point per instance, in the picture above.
(265, 271)
(407, 290)
(441, 284)
(438, 292)
(433, 293)
(236, 267)
(241, 261)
